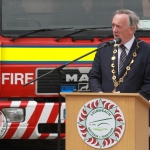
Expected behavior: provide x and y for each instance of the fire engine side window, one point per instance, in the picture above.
(28, 13)
(103, 11)
(37, 14)
(71, 13)
(12, 10)
(42, 11)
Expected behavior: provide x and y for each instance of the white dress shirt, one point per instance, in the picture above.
(128, 47)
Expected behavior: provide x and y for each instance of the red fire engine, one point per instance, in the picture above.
(37, 36)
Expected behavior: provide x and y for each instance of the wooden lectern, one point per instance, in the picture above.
(134, 108)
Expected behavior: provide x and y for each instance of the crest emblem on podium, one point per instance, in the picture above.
(100, 123)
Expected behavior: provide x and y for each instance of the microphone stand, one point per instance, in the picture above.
(59, 70)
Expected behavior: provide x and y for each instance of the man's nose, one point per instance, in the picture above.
(114, 29)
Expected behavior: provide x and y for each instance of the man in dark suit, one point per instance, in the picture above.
(113, 71)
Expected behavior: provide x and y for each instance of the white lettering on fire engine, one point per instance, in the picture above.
(84, 77)
(17, 78)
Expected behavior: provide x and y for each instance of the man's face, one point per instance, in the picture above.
(121, 28)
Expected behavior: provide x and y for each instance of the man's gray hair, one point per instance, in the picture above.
(133, 18)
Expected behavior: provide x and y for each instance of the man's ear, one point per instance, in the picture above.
(132, 30)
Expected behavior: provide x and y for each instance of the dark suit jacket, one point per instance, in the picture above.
(137, 79)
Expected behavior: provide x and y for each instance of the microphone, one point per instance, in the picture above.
(112, 42)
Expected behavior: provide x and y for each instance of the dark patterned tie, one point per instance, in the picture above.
(123, 56)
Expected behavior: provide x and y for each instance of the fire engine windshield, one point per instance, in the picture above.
(19, 16)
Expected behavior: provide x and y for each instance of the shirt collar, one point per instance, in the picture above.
(129, 43)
